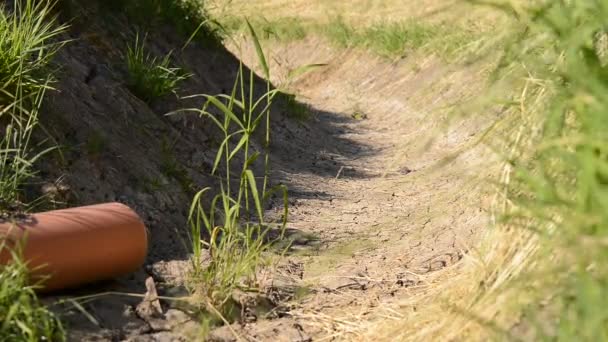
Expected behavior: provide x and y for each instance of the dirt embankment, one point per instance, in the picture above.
(373, 214)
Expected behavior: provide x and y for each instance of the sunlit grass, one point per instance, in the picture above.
(28, 41)
(233, 228)
(538, 274)
(22, 318)
(560, 186)
(391, 40)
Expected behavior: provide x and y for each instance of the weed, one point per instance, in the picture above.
(22, 318)
(16, 157)
(237, 238)
(26, 47)
(24, 54)
(398, 39)
(27, 44)
(560, 179)
(233, 229)
(340, 33)
(387, 39)
(151, 185)
(358, 113)
(150, 77)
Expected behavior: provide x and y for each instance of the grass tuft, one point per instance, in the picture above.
(233, 228)
(22, 318)
(340, 33)
(387, 39)
(150, 77)
(560, 179)
(281, 29)
(28, 41)
(399, 39)
(395, 39)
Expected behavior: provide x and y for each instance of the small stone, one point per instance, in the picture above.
(149, 307)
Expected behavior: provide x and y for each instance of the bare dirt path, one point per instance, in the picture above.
(374, 208)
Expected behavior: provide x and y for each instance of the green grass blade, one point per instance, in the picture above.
(225, 110)
(304, 70)
(254, 192)
(259, 51)
(239, 146)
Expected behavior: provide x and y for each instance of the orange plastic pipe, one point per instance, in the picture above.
(70, 247)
